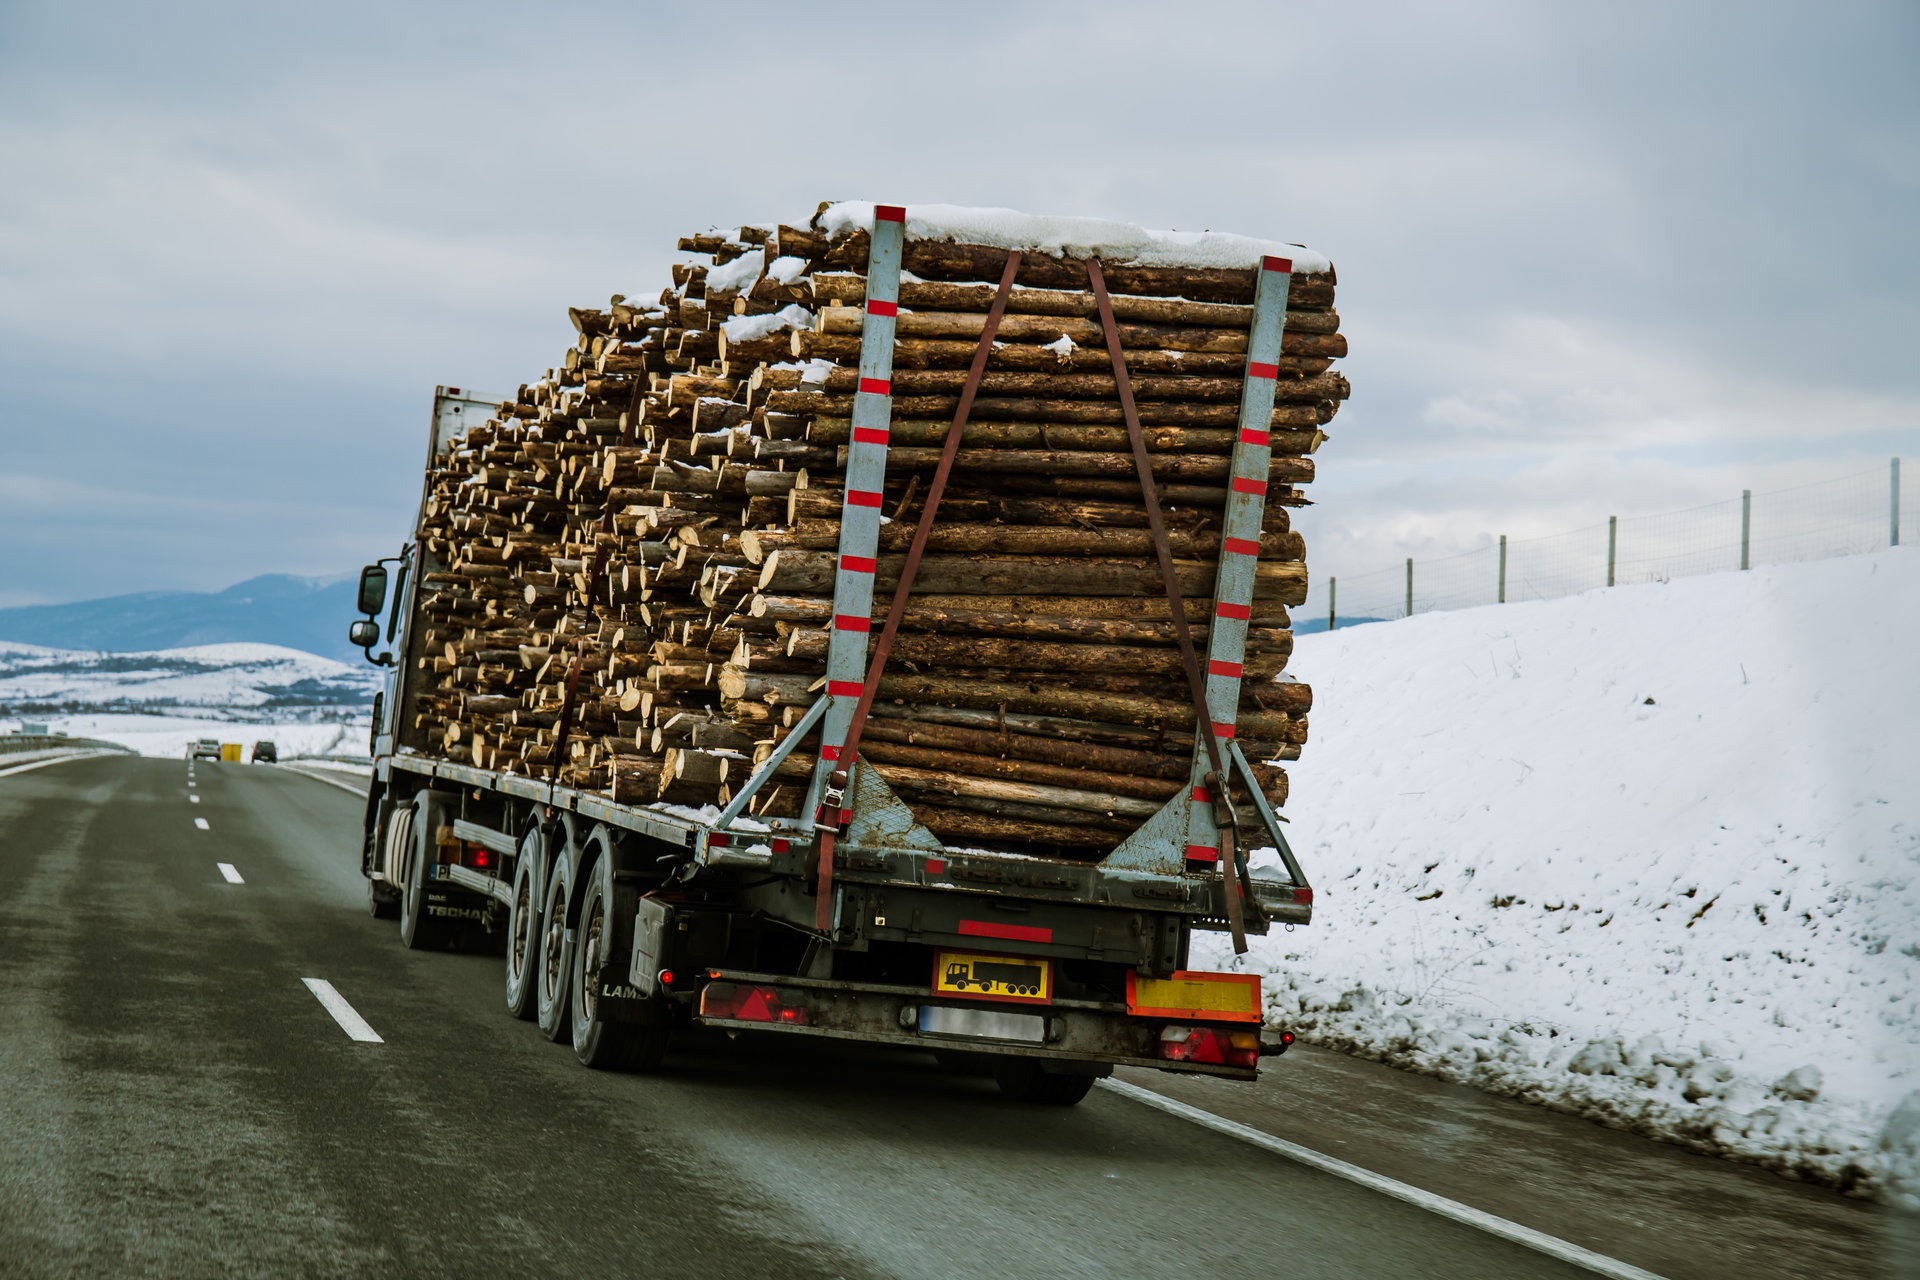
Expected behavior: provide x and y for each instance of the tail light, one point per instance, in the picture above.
(742, 1002)
(1209, 1044)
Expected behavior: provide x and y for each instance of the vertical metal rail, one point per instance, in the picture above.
(1503, 569)
(1613, 543)
(1239, 557)
(1746, 527)
(859, 522)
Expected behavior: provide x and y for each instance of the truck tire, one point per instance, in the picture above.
(383, 900)
(523, 930)
(599, 1044)
(419, 930)
(1024, 1080)
(554, 961)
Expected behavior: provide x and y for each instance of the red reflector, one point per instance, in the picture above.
(1223, 731)
(1202, 853)
(869, 435)
(717, 840)
(876, 387)
(875, 307)
(738, 1002)
(898, 213)
(781, 846)
(1202, 795)
(1243, 485)
(857, 564)
(851, 622)
(1219, 668)
(936, 866)
(1204, 1044)
(862, 498)
(1271, 263)
(1239, 611)
(994, 929)
(1303, 894)
(1257, 370)
(1242, 546)
(1256, 437)
(846, 688)
(828, 751)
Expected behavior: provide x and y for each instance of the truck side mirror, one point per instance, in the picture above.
(364, 633)
(373, 591)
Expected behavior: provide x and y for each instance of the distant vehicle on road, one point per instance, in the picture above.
(204, 749)
(264, 751)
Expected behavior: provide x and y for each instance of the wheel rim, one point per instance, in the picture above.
(553, 946)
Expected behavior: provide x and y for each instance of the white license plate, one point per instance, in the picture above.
(983, 1024)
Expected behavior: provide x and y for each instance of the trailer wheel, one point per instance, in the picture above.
(603, 1045)
(1023, 1080)
(554, 957)
(523, 931)
(419, 931)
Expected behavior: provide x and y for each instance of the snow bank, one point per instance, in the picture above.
(262, 677)
(1111, 242)
(1647, 854)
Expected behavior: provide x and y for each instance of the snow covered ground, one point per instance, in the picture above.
(158, 702)
(1650, 855)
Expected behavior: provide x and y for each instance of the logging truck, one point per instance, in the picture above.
(623, 922)
(1045, 935)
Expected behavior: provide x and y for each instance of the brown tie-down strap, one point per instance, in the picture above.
(1219, 779)
(837, 781)
(566, 716)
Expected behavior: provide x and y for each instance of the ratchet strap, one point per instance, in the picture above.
(1218, 778)
(837, 781)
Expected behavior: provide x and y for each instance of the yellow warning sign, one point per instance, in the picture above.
(1022, 979)
(1224, 997)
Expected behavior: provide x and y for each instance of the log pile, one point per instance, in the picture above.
(654, 524)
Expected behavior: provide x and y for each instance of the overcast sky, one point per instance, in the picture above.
(1593, 258)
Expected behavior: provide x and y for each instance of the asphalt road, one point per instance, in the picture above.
(174, 1100)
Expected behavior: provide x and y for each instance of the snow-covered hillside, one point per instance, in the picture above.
(261, 679)
(1651, 854)
(158, 702)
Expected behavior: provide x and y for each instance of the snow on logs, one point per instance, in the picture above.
(654, 524)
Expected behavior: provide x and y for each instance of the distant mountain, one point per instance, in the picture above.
(1309, 626)
(309, 614)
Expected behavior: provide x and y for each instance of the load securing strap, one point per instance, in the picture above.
(837, 781)
(1219, 780)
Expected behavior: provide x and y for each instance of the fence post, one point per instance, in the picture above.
(1333, 612)
(1613, 544)
(1893, 507)
(1503, 568)
(1409, 586)
(1746, 526)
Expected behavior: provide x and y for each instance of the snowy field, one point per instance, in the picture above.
(1648, 855)
(159, 735)
(231, 680)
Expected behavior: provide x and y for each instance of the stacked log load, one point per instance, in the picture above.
(653, 525)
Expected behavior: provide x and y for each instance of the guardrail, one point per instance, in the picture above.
(19, 743)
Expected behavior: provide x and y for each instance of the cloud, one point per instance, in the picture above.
(1651, 250)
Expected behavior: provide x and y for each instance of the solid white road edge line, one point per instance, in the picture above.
(1552, 1246)
(202, 824)
(41, 764)
(226, 869)
(343, 1013)
(332, 782)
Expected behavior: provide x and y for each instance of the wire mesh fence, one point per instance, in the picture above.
(1850, 514)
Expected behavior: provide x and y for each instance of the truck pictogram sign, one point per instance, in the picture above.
(1025, 979)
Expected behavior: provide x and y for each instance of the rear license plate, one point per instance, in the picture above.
(983, 1024)
(1013, 979)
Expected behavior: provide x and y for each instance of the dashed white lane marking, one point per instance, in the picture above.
(343, 1013)
(1552, 1246)
(193, 799)
(226, 869)
(201, 823)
